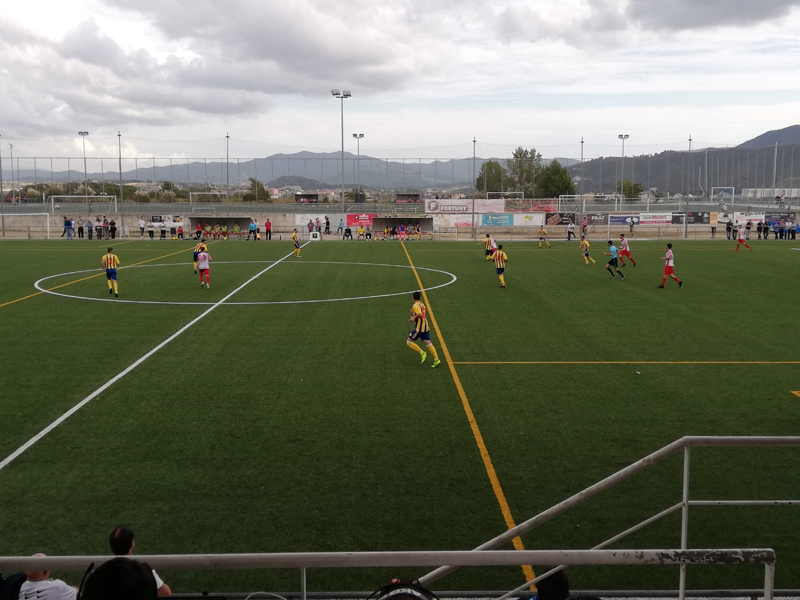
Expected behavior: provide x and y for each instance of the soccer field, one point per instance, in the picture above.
(292, 416)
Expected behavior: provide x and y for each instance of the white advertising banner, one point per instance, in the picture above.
(464, 206)
(741, 218)
(529, 219)
(442, 221)
(655, 219)
(302, 220)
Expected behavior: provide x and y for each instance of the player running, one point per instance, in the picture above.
(625, 250)
(203, 260)
(543, 237)
(740, 239)
(487, 245)
(110, 262)
(612, 252)
(500, 262)
(296, 242)
(200, 247)
(419, 316)
(585, 251)
(669, 268)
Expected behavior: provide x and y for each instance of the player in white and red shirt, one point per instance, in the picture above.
(740, 239)
(669, 267)
(624, 250)
(204, 268)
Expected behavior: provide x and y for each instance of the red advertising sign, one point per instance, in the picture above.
(363, 219)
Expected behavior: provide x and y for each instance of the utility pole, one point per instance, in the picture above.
(341, 96)
(691, 168)
(623, 137)
(474, 176)
(227, 169)
(774, 170)
(2, 194)
(583, 170)
(11, 184)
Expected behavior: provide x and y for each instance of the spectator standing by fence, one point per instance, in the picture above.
(268, 230)
(729, 229)
(112, 228)
(66, 226)
(341, 227)
(89, 227)
(570, 230)
(141, 228)
(150, 228)
(759, 229)
(80, 228)
(748, 227)
(105, 227)
(327, 225)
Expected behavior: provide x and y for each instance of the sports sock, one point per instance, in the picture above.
(633, 261)
(593, 261)
(432, 350)
(415, 347)
(676, 279)
(116, 289)
(108, 281)
(548, 244)
(663, 280)
(201, 278)
(502, 280)
(586, 260)
(195, 265)
(540, 244)
(208, 278)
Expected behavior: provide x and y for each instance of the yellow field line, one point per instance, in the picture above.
(796, 393)
(476, 432)
(91, 276)
(632, 362)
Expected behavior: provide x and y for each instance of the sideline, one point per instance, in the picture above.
(633, 362)
(90, 277)
(19, 451)
(476, 432)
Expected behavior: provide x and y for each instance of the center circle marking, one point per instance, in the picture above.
(39, 287)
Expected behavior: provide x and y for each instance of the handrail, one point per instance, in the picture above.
(305, 560)
(613, 479)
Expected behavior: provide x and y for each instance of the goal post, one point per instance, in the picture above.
(29, 226)
(206, 197)
(62, 203)
(496, 195)
(725, 195)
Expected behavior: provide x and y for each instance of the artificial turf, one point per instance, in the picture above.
(310, 426)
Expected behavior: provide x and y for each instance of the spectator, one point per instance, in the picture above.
(105, 227)
(348, 235)
(341, 227)
(122, 542)
(89, 227)
(570, 230)
(713, 232)
(41, 587)
(251, 230)
(150, 228)
(729, 229)
(310, 225)
(368, 235)
(98, 228)
(80, 228)
(122, 579)
(141, 228)
(792, 229)
(180, 231)
(112, 228)
(319, 226)
(759, 228)
(66, 224)
(782, 228)
(327, 225)
(268, 230)
(584, 227)
(361, 234)
(198, 231)
(163, 228)
(748, 227)
(775, 229)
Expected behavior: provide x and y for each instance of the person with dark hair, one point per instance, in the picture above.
(403, 590)
(419, 317)
(613, 262)
(122, 542)
(500, 259)
(39, 586)
(122, 579)
(669, 270)
(759, 228)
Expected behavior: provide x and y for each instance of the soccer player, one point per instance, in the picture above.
(200, 247)
(401, 232)
(740, 239)
(203, 260)
(612, 262)
(500, 262)
(418, 231)
(208, 231)
(110, 262)
(236, 231)
(585, 250)
(224, 231)
(487, 245)
(543, 237)
(217, 231)
(296, 243)
(669, 268)
(419, 316)
(624, 250)
(492, 247)
(198, 231)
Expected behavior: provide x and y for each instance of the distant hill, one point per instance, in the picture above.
(782, 137)
(297, 181)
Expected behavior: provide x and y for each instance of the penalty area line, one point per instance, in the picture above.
(31, 442)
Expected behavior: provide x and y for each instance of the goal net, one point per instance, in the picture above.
(495, 195)
(61, 203)
(25, 226)
(205, 197)
(723, 195)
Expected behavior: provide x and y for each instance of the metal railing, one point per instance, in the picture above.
(319, 560)
(683, 444)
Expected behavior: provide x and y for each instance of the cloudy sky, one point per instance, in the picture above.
(174, 76)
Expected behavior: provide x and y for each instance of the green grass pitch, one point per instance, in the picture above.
(311, 426)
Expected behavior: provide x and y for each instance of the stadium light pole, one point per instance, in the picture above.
(358, 137)
(227, 169)
(2, 193)
(83, 135)
(623, 137)
(474, 177)
(11, 182)
(342, 95)
(691, 167)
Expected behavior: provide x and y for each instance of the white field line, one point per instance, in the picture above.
(22, 449)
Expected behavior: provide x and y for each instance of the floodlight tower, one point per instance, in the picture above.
(623, 137)
(358, 137)
(83, 135)
(342, 95)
